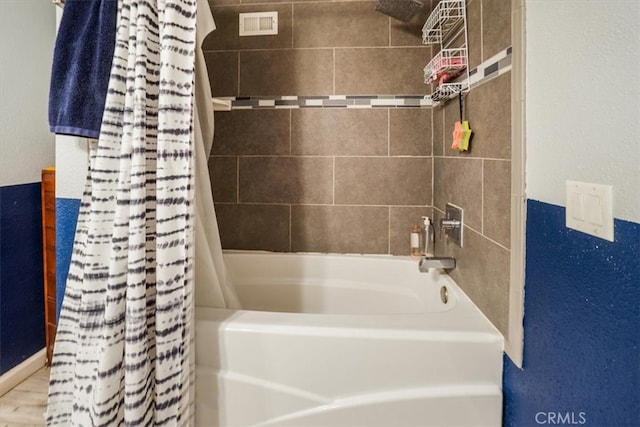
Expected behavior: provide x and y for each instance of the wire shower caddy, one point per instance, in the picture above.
(447, 27)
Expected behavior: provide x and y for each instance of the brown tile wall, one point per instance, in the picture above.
(480, 180)
(355, 181)
(322, 180)
(313, 179)
(322, 48)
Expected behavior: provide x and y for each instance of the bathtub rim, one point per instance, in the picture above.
(330, 269)
(464, 320)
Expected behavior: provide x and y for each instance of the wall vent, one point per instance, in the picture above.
(258, 24)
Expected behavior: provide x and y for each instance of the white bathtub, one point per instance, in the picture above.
(343, 340)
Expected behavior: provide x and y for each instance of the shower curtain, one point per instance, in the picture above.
(214, 287)
(123, 353)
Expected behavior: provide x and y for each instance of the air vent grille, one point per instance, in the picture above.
(258, 24)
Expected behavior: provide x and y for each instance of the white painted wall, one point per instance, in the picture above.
(583, 99)
(72, 157)
(72, 163)
(27, 32)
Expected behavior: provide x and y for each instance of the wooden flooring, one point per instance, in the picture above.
(26, 404)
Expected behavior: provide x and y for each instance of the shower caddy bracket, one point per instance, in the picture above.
(447, 28)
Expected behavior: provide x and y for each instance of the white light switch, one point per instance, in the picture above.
(594, 209)
(590, 209)
(577, 201)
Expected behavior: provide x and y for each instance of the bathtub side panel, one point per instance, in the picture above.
(434, 367)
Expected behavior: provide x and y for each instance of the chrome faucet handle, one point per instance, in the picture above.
(449, 224)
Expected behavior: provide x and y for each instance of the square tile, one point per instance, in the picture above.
(459, 181)
(223, 172)
(474, 32)
(496, 26)
(381, 71)
(307, 180)
(254, 226)
(383, 180)
(223, 72)
(249, 132)
(340, 229)
(286, 72)
(488, 108)
(339, 24)
(341, 132)
(410, 132)
(482, 271)
(438, 130)
(497, 201)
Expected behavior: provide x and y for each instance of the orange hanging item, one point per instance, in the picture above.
(461, 132)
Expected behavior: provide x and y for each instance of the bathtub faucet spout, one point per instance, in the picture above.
(445, 263)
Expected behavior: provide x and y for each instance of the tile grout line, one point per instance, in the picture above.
(238, 76)
(388, 229)
(433, 162)
(323, 204)
(290, 132)
(482, 166)
(333, 181)
(334, 70)
(443, 122)
(488, 238)
(460, 157)
(481, 36)
(268, 49)
(293, 26)
(366, 156)
(290, 226)
(388, 132)
(433, 180)
(237, 179)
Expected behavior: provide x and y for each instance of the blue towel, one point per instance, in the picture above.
(81, 66)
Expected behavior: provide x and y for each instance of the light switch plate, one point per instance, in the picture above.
(590, 209)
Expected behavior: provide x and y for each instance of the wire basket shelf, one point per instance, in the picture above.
(447, 16)
(446, 91)
(447, 63)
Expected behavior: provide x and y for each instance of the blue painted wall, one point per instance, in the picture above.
(582, 322)
(21, 274)
(582, 327)
(66, 219)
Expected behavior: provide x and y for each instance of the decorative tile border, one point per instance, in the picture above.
(493, 67)
(323, 101)
(497, 65)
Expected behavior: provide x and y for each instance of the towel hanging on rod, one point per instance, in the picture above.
(81, 66)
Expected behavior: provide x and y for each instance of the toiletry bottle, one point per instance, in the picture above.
(427, 237)
(416, 236)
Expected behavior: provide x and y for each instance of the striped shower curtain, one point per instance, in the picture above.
(123, 348)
